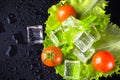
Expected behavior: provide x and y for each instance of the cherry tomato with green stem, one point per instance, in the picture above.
(51, 56)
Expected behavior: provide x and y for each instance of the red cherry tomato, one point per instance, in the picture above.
(65, 11)
(51, 56)
(103, 61)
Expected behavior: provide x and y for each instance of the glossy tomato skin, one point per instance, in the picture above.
(103, 61)
(51, 56)
(64, 12)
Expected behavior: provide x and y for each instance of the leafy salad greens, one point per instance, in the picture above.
(90, 13)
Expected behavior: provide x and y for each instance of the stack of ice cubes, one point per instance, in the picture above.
(83, 42)
(70, 22)
(35, 34)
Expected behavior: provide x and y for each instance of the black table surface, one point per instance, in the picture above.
(23, 61)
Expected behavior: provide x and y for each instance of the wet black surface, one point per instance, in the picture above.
(18, 59)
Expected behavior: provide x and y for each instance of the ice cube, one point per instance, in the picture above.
(71, 69)
(71, 22)
(84, 56)
(35, 34)
(56, 36)
(83, 41)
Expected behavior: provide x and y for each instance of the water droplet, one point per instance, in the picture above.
(13, 38)
(11, 51)
(34, 73)
(11, 18)
(39, 77)
(31, 67)
(17, 7)
(18, 37)
(29, 53)
(38, 71)
(21, 1)
(40, 64)
(16, 71)
(2, 27)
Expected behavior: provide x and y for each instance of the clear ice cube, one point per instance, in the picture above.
(83, 41)
(84, 56)
(71, 69)
(56, 36)
(35, 34)
(71, 22)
